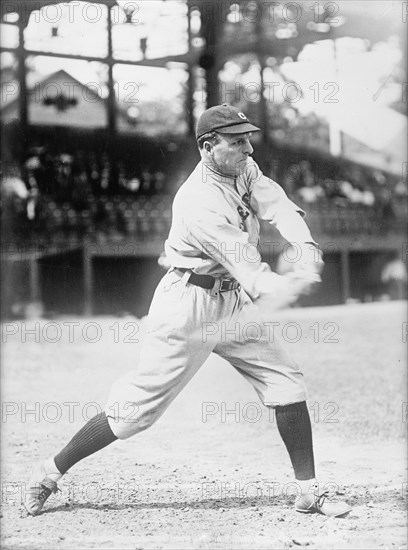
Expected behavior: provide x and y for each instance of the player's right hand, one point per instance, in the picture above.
(280, 291)
(303, 282)
(310, 259)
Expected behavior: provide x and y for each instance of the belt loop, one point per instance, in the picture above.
(186, 277)
(216, 288)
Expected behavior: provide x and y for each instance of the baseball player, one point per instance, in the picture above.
(216, 283)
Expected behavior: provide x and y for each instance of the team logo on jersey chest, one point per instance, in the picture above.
(246, 199)
(242, 212)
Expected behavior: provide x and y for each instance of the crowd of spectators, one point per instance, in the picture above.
(74, 178)
(344, 185)
(80, 193)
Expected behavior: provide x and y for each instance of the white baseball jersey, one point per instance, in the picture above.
(215, 227)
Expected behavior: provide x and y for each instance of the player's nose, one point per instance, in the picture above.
(248, 149)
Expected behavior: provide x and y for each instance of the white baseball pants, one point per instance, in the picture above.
(185, 324)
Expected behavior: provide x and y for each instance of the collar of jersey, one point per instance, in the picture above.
(232, 178)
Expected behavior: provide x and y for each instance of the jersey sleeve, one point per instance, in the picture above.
(270, 202)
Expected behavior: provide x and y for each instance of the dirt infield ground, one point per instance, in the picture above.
(213, 472)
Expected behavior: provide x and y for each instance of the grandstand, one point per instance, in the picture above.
(101, 162)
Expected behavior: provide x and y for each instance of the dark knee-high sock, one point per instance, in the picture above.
(95, 435)
(296, 431)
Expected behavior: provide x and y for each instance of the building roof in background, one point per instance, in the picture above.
(61, 100)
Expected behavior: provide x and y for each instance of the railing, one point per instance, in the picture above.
(149, 219)
(141, 218)
(327, 218)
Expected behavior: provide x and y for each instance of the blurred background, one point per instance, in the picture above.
(98, 109)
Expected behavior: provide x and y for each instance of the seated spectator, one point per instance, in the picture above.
(12, 184)
(334, 192)
(160, 180)
(394, 276)
(64, 178)
(14, 197)
(385, 204)
(401, 188)
(147, 182)
(133, 184)
(349, 191)
(94, 174)
(105, 174)
(310, 194)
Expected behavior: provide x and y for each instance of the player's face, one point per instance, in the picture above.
(231, 153)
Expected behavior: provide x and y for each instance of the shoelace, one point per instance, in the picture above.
(46, 488)
(43, 494)
(319, 499)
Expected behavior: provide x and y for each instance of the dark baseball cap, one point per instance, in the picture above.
(225, 119)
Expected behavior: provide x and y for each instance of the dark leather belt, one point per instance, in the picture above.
(208, 281)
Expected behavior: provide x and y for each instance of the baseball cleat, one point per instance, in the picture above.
(40, 487)
(311, 503)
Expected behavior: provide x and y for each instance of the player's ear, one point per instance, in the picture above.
(208, 147)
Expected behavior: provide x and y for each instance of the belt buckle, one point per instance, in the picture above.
(228, 284)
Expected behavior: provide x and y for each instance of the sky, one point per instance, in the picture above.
(334, 84)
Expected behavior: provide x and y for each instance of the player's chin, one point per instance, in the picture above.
(240, 166)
